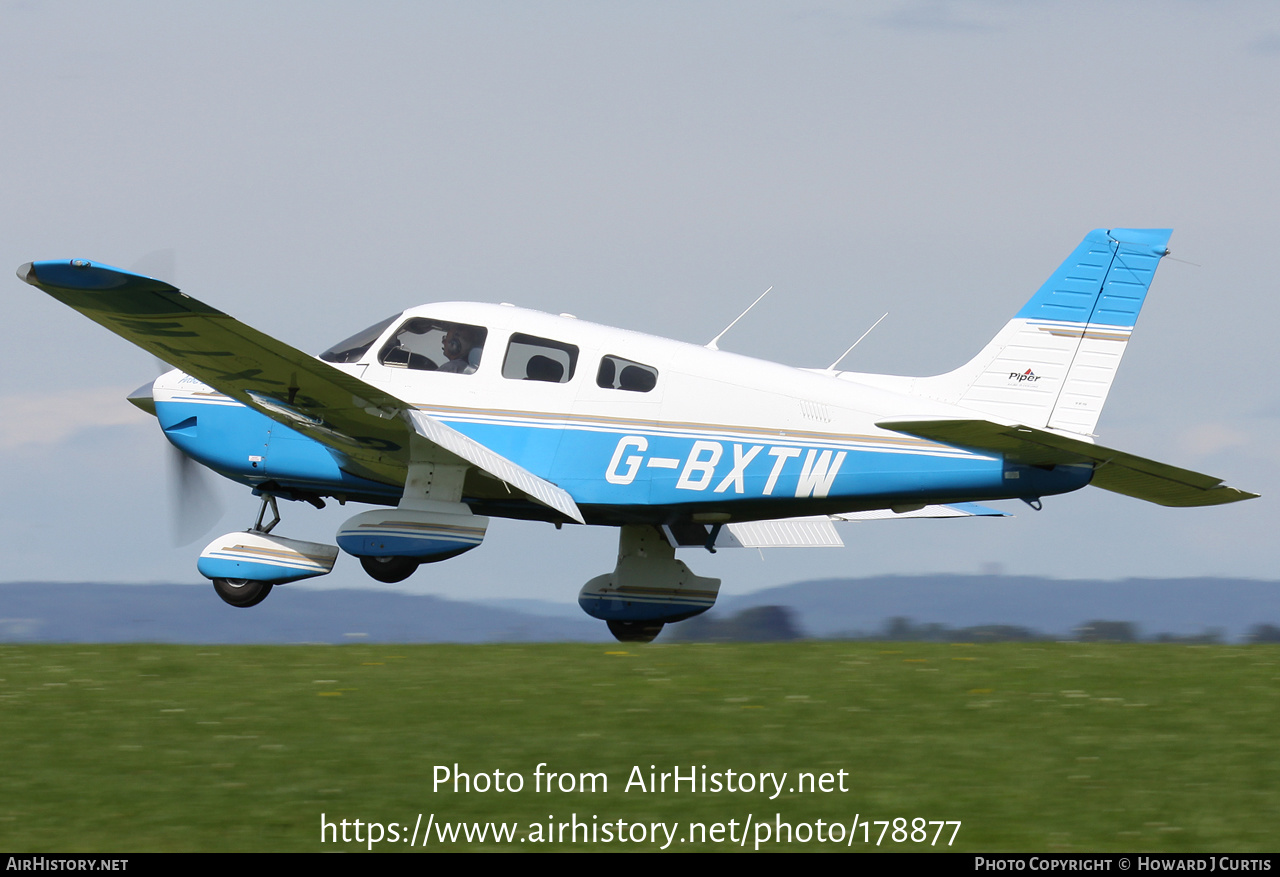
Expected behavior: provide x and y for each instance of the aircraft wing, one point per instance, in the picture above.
(818, 531)
(1113, 470)
(368, 429)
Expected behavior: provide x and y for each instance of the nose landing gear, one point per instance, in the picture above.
(244, 566)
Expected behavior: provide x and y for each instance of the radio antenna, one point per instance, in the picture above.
(711, 345)
(832, 367)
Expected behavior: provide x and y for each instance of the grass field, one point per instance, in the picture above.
(1045, 747)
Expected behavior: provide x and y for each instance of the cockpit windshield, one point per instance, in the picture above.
(351, 349)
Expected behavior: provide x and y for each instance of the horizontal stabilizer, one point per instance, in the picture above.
(1112, 470)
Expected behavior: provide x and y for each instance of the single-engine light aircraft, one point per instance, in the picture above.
(446, 414)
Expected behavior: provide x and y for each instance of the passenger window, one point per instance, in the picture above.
(617, 373)
(435, 345)
(539, 359)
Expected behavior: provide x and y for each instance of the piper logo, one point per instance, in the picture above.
(1023, 376)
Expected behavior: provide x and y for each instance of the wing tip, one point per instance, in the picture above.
(82, 275)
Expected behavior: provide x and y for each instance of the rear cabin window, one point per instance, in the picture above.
(435, 345)
(616, 373)
(539, 359)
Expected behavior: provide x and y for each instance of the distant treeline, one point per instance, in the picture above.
(778, 624)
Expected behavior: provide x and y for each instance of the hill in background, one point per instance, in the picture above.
(912, 605)
(1184, 607)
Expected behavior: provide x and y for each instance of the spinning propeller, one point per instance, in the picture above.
(194, 503)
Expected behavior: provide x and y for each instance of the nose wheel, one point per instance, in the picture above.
(245, 565)
(242, 592)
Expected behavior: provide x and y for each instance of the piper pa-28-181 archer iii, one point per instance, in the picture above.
(450, 413)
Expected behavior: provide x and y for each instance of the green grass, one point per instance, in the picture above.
(1033, 747)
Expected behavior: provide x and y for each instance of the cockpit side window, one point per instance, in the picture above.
(616, 373)
(435, 345)
(353, 348)
(539, 359)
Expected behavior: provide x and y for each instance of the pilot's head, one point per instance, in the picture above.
(458, 341)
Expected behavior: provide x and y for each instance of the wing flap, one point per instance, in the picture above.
(470, 450)
(1113, 470)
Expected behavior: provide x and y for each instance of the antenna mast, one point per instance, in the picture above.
(711, 345)
(833, 365)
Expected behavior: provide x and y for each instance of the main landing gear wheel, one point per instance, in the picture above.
(635, 631)
(242, 592)
(390, 569)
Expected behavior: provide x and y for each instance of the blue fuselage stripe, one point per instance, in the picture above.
(645, 468)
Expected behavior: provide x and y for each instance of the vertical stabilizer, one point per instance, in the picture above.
(1052, 365)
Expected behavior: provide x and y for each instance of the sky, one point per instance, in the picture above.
(316, 166)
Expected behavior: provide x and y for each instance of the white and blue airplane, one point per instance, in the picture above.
(446, 414)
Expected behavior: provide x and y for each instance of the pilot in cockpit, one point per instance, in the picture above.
(462, 348)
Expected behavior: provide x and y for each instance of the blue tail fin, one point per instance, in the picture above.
(1052, 365)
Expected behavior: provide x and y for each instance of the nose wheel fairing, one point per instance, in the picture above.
(256, 556)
